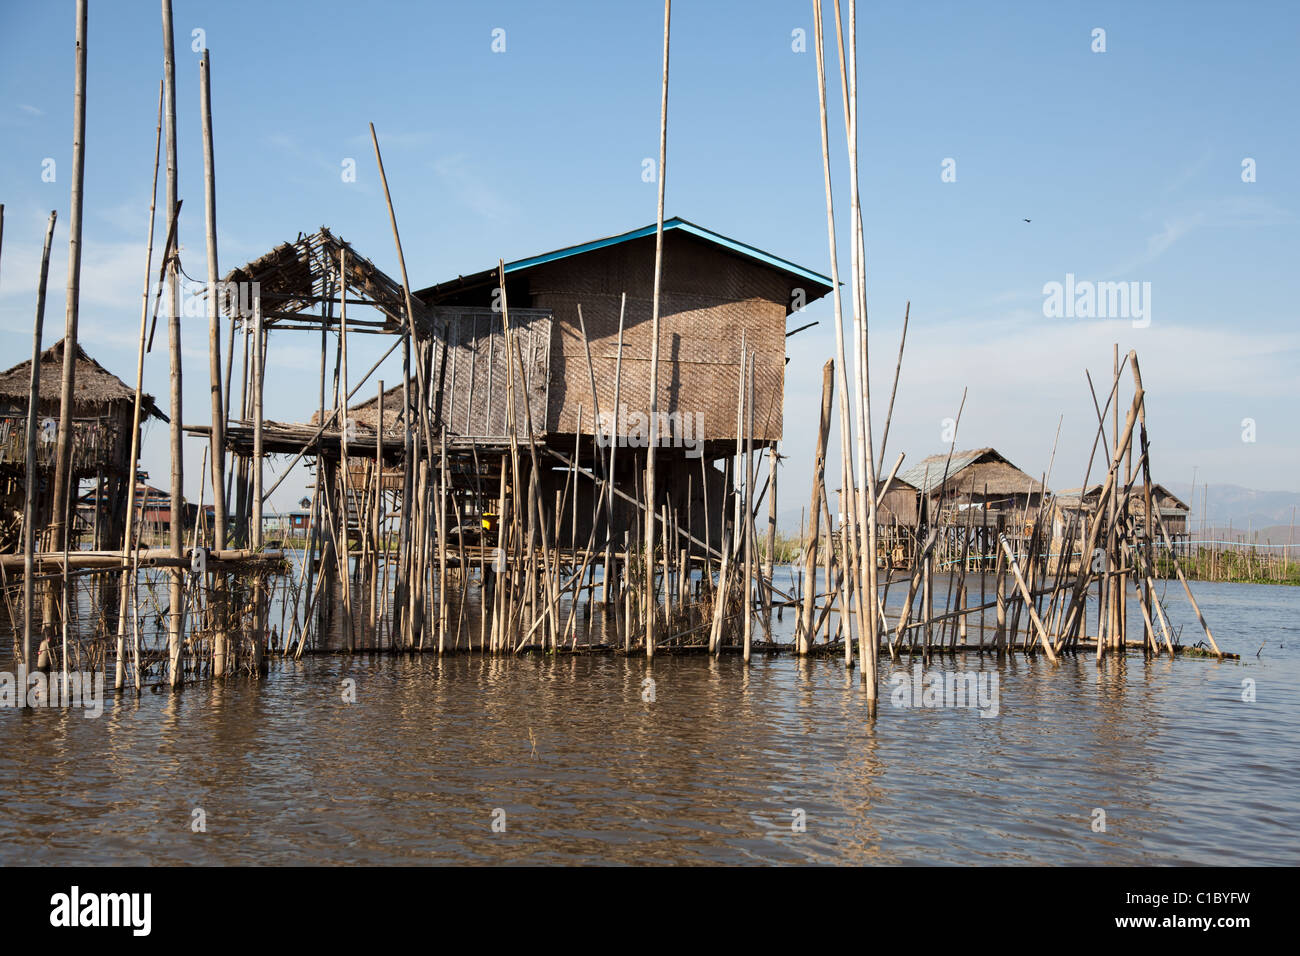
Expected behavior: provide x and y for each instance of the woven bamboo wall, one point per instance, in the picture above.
(100, 441)
(708, 297)
(474, 383)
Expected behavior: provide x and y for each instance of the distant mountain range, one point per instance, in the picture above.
(1243, 509)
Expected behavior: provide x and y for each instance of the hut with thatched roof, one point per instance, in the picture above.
(103, 411)
(981, 478)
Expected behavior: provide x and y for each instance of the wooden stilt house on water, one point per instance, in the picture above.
(978, 489)
(1074, 508)
(715, 293)
(587, 309)
(101, 446)
(574, 383)
(899, 516)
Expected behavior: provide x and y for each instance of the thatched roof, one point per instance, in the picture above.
(365, 414)
(976, 468)
(94, 385)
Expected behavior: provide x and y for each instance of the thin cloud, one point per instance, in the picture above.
(457, 171)
(1173, 231)
(1189, 173)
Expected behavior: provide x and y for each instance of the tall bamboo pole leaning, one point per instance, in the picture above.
(218, 432)
(1077, 597)
(747, 512)
(869, 643)
(259, 400)
(654, 358)
(377, 556)
(29, 493)
(406, 368)
(1182, 578)
(537, 516)
(599, 459)
(259, 387)
(63, 463)
(176, 592)
(128, 577)
(737, 489)
(847, 541)
(442, 539)
(804, 627)
(613, 448)
(345, 471)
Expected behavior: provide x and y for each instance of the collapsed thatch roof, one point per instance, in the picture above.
(295, 277)
(94, 385)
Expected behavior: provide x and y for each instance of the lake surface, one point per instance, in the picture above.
(574, 763)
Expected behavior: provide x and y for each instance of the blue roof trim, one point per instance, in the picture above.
(748, 251)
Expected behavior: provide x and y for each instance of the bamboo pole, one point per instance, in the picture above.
(257, 542)
(230, 368)
(654, 356)
(375, 507)
(769, 560)
(218, 433)
(870, 642)
(442, 541)
(345, 471)
(214, 318)
(1178, 569)
(828, 569)
(64, 481)
(747, 509)
(848, 541)
(29, 492)
(176, 589)
(129, 580)
(665, 550)
(1146, 548)
(706, 579)
(736, 487)
(408, 328)
(898, 367)
(1028, 597)
(720, 593)
(1114, 583)
(613, 448)
(512, 344)
(245, 412)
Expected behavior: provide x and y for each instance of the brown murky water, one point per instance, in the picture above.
(577, 761)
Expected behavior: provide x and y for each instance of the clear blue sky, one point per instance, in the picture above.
(1128, 163)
